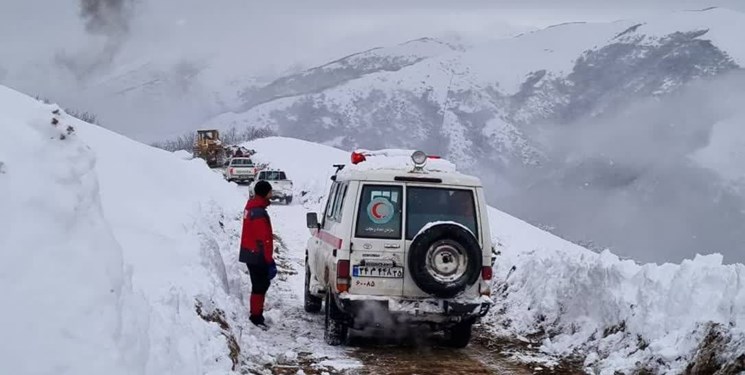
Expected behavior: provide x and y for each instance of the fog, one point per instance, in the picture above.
(658, 181)
(152, 69)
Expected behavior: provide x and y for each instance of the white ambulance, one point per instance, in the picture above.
(403, 233)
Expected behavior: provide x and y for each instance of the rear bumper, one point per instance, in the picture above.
(414, 310)
(278, 194)
(241, 177)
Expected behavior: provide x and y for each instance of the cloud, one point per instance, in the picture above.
(107, 17)
(653, 181)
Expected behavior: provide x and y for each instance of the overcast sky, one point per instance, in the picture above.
(251, 38)
(281, 34)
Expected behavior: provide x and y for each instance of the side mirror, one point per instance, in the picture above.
(311, 219)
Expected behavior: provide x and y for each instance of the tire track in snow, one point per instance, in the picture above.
(284, 305)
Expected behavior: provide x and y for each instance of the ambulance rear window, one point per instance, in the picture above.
(427, 205)
(379, 214)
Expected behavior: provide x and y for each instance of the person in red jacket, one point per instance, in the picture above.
(257, 247)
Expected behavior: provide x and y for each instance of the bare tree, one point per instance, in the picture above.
(86, 116)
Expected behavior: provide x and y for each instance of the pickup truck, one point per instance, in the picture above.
(240, 170)
(281, 186)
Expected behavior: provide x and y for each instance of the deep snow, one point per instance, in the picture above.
(112, 249)
(107, 246)
(62, 279)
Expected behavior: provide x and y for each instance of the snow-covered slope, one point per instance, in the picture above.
(616, 315)
(111, 251)
(63, 282)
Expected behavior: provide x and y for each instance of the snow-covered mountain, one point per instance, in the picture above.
(496, 109)
(485, 93)
(388, 59)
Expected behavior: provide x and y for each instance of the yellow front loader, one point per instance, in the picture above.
(207, 146)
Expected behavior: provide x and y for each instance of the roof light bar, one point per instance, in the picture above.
(358, 157)
(419, 158)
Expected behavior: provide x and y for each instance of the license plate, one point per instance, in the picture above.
(372, 271)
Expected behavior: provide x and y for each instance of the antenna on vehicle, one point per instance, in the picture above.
(338, 167)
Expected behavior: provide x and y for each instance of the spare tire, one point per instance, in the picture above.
(444, 260)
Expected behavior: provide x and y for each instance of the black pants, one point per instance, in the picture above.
(259, 278)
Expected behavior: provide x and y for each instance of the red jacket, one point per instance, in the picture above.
(257, 240)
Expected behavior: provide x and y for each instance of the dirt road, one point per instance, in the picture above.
(402, 359)
(370, 357)
(434, 360)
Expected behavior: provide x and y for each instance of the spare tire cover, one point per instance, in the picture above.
(444, 260)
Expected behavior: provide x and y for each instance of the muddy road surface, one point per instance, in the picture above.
(414, 356)
(431, 360)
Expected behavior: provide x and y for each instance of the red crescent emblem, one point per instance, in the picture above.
(375, 212)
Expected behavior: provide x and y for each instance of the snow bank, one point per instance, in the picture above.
(61, 274)
(621, 315)
(162, 210)
(183, 154)
(110, 252)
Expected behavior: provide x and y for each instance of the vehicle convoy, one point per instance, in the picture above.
(208, 146)
(241, 170)
(281, 186)
(410, 239)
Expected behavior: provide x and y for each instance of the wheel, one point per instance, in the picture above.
(336, 329)
(312, 303)
(288, 200)
(445, 260)
(459, 335)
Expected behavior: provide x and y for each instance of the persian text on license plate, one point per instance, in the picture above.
(372, 271)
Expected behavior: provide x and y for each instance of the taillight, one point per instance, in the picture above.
(486, 273)
(342, 276)
(342, 269)
(357, 158)
(231, 170)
